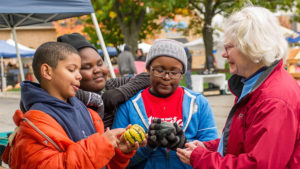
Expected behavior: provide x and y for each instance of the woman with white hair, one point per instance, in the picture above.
(262, 129)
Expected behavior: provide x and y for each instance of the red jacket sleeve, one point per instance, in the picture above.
(269, 141)
(212, 145)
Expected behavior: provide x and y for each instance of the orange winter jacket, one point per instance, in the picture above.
(40, 142)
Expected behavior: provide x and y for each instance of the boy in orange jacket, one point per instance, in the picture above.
(58, 131)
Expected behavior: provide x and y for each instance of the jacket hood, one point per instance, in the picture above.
(32, 93)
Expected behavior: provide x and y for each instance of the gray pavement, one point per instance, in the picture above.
(221, 106)
(7, 109)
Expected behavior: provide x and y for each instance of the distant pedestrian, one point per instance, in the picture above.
(126, 62)
(188, 73)
(140, 56)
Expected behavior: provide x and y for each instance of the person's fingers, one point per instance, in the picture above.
(144, 143)
(164, 142)
(153, 138)
(180, 150)
(117, 131)
(152, 132)
(117, 142)
(128, 127)
(191, 146)
(136, 146)
(171, 137)
(199, 143)
(182, 157)
(155, 126)
(188, 146)
(156, 121)
(122, 138)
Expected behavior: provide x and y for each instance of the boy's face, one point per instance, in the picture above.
(93, 71)
(164, 86)
(66, 77)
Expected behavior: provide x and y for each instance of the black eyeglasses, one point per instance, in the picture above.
(162, 73)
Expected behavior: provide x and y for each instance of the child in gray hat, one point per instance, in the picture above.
(165, 101)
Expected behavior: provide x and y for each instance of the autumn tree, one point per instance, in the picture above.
(129, 21)
(207, 9)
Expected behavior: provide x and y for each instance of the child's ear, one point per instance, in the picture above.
(46, 71)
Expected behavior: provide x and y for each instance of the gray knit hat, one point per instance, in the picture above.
(167, 47)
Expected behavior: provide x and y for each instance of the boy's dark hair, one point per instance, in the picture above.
(50, 53)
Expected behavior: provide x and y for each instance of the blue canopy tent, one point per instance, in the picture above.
(14, 13)
(293, 40)
(9, 51)
(112, 51)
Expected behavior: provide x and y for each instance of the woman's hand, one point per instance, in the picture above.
(184, 155)
(194, 144)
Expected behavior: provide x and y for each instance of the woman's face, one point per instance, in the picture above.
(139, 52)
(165, 86)
(238, 63)
(93, 71)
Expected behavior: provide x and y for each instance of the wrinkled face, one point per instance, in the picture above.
(66, 77)
(238, 63)
(93, 71)
(164, 86)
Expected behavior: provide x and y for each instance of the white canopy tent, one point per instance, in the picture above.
(144, 46)
(198, 44)
(13, 43)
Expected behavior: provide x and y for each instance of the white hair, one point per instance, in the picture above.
(256, 32)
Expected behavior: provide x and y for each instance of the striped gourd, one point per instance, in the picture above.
(135, 133)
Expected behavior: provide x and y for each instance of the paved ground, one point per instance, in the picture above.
(221, 105)
(7, 109)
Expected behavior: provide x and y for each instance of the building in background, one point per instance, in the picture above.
(31, 36)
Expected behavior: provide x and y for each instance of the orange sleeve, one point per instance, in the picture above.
(120, 160)
(93, 152)
(32, 150)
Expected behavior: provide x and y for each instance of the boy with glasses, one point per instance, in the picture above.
(166, 101)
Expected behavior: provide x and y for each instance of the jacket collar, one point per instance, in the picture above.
(236, 85)
(139, 107)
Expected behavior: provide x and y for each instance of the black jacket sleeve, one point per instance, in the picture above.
(119, 90)
(129, 86)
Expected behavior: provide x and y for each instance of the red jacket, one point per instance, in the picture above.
(41, 142)
(262, 130)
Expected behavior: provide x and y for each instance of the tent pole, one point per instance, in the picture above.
(18, 53)
(100, 37)
(2, 75)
